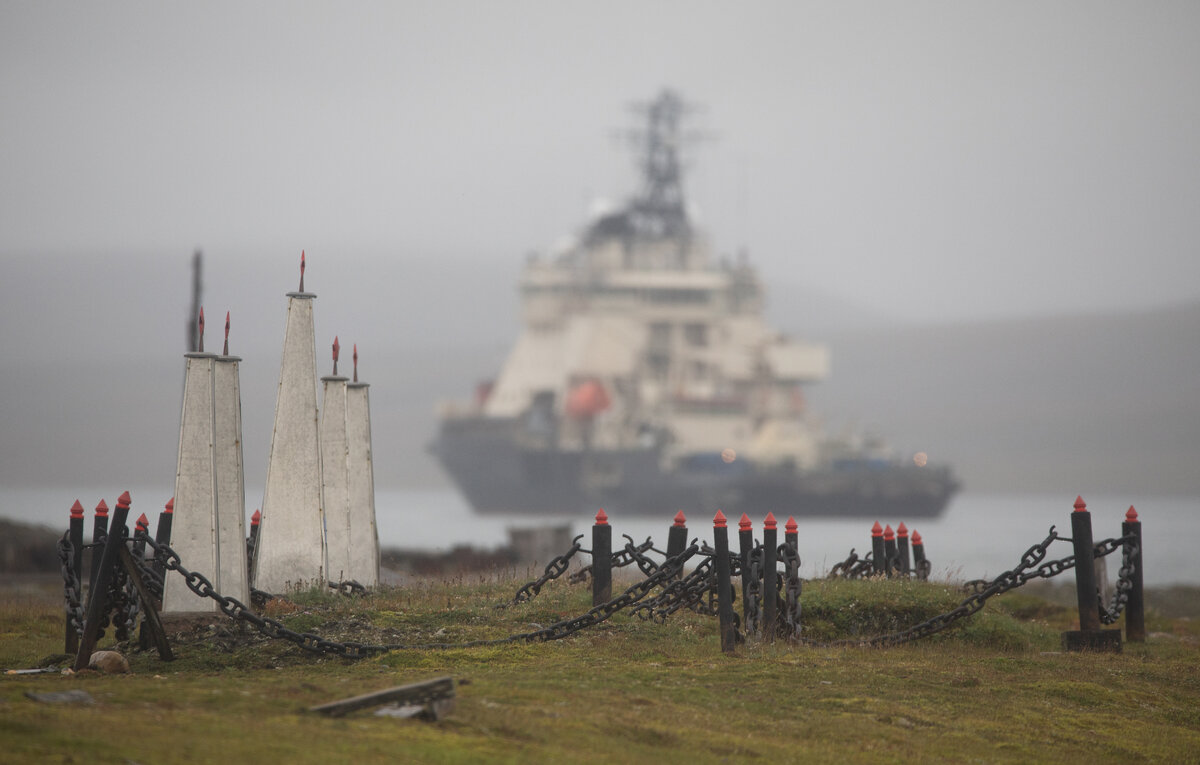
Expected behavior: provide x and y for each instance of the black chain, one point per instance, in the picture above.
(790, 624)
(272, 628)
(348, 587)
(626, 556)
(554, 569)
(1111, 612)
(71, 586)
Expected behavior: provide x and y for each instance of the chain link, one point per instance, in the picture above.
(554, 569)
(71, 586)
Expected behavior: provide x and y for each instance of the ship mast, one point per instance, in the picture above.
(659, 211)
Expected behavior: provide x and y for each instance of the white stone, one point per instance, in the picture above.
(231, 481)
(364, 535)
(194, 534)
(290, 552)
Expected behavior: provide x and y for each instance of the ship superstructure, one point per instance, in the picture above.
(645, 378)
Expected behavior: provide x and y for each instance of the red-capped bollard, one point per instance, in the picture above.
(1089, 636)
(99, 532)
(919, 561)
(791, 534)
(770, 588)
(878, 556)
(745, 549)
(677, 536)
(75, 536)
(902, 549)
(601, 560)
(162, 536)
(97, 605)
(142, 526)
(1135, 607)
(724, 585)
(889, 551)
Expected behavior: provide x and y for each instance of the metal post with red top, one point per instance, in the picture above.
(251, 541)
(97, 603)
(889, 550)
(877, 553)
(918, 551)
(1135, 608)
(770, 588)
(746, 549)
(677, 536)
(791, 534)
(162, 535)
(902, 549)
(99, 532)
(1089, 636)
(75, 535)
(724, 585)
(601, 560)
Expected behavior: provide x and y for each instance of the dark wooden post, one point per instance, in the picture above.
(601, 560)
(918, 551)
(1135, 607)
(724, 585)
(677, 537)
(1089, 636)
(99, 532)
(770, 588)
(251, 543)
(890, 554)
(878, 555)
(902, 549)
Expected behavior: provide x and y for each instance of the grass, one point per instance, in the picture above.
(995, 689)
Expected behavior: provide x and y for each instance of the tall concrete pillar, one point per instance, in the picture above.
(335, 483)
(290, 553)
(364, 536)
(231, 479)
(194, 532)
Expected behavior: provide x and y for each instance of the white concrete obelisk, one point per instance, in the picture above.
(364, 535)
(335, 496)
(194, 533)
(290, 554)
(231, 479)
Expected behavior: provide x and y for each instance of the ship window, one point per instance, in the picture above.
(659, 365)
(660, 335)
(696, 335)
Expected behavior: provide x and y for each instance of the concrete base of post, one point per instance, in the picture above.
(1101, 641)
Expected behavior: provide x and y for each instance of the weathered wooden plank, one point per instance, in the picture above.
(415, 693)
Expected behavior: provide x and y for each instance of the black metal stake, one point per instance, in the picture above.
(1089, 636)
(98, 595)
(770, 587)
(724, 585)
(601, 560)
(1135, 608)
(902, 549)
(877, 553)
(918, 551)
(791, 534)
(746, 548)
(252, 543)
(75, 535)
(162, 535)
(890, 554)
(99, 532)
(677, 537)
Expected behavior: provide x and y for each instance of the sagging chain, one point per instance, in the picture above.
(1109, 613)
(620, 559)
(71, 585)
(680, 593)
(200, 585)
(753, 604)
(348, 587)
(853, 567)
(554, 569)
(791, 590)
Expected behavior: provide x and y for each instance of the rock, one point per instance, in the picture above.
(109, 662)
(76, 696)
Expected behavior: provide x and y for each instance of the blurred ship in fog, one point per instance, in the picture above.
(646, 380)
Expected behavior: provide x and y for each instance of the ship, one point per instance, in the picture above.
(645, 380)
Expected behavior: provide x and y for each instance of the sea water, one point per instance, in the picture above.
(979, 535)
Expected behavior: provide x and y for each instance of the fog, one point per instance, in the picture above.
(911, 169)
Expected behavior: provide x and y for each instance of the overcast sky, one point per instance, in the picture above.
(930, 161)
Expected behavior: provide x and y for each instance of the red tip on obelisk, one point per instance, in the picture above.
(901, 530)
(876, 530)
(170, 506)
(102, 509)
(200, 334)
(256, 518)
(719, 520)
(791, 527)
(77, 509)
(1130, 514)
(124, 500)
(226, 351)
(337, 350)
(356, 362)
(916, 538)
(888, 534)
(143, 523)
(769, 522)
(601, 518)
(1080, 505)
(680, 519)
(302, 270)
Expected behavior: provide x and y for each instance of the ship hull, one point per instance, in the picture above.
(497, 474)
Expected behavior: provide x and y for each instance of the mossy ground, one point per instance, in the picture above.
(995, 689)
